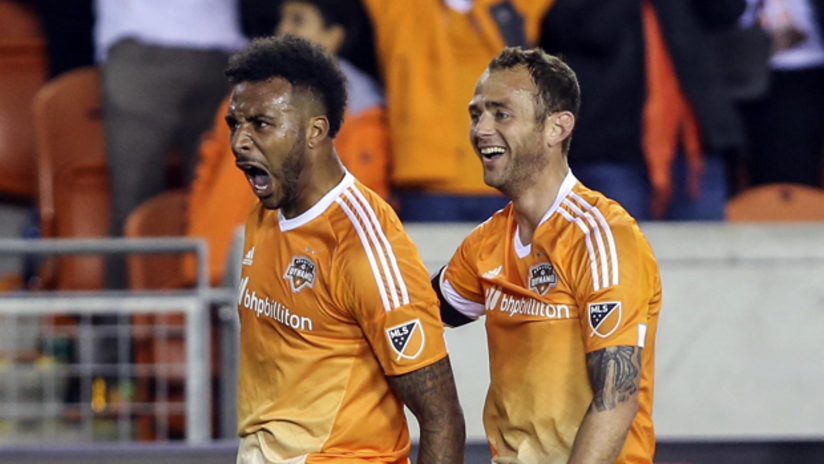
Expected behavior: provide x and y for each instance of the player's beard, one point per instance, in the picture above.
(520, 172)
(292, 170)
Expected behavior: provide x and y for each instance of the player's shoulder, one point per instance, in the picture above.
(364, 223)
(493, 229)
(587, 212)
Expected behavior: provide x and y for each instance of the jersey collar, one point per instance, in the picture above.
(318, 208)
(566, 186)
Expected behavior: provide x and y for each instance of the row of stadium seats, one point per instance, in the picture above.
(52, 154)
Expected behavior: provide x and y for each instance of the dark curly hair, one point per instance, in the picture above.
(558, 88)
(306, 66)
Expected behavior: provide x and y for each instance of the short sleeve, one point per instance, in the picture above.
(616, 275)
(387, 289)
(459, 283)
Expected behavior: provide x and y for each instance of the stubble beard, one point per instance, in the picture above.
(292, 169)
(520, 173)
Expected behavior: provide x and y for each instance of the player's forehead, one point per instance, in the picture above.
(507, 86)
(272, 96)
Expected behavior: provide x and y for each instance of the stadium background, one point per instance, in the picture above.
(738, 365)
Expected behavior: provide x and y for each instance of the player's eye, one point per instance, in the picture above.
(501, 115)
(474, 117)
(259, 124)
(233, 125)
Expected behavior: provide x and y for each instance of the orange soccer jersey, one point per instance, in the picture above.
(330, 303)
(587, 281)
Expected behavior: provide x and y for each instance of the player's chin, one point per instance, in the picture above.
(272, 201)
(493, 180)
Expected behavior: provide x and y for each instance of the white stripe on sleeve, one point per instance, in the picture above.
(370, 230)
(602, 253)
(365, 242)
(613, 253)
(593, 267)
(467, 307)
(388, 246)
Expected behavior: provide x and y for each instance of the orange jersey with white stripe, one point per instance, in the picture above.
(331, 302)
(587, 281)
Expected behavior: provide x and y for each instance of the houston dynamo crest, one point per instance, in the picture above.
(300, 273)
(407, 339)
(542, 278)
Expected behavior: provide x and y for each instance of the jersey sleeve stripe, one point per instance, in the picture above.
(450, 314)
(388, 246)
(613, 253)
(364, 241)
(593, 267)
(602, 253)
(465, 306)
(373, 240)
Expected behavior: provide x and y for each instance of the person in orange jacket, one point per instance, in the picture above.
(220, 200)
(430, 53)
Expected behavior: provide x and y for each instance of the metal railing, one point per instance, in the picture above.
(193, 304)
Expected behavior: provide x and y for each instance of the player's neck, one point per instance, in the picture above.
(323, 175)
(532, 204)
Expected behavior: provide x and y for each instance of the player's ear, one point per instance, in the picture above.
(559, 127)
(317, 130)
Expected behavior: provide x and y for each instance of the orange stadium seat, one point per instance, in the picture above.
(162, 216)
(72, 172)
(777, 203)
(83, 204)
(68, 129)
(18, 23)
(22, 72)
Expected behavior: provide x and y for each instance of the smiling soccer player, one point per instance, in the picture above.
(566, 279)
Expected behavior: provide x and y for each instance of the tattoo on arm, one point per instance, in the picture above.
(430, 394)
(615, 375)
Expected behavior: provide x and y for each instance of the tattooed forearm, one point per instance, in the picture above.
(431, 396)
(614, 374)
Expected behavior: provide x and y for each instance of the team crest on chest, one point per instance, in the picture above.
(301, 273)
(542, 278)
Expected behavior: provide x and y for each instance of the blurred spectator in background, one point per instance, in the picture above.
(430, 53)
(221, 200)
(162, 67)
(786, 127)
(657, 123)
(258, 16)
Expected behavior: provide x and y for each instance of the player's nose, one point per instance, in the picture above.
(484, 126)
(241, 140)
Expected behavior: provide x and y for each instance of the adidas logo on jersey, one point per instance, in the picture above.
(491, 274)
(496, 298)
(247, 260)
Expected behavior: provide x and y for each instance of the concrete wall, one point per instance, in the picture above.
(740, 338)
